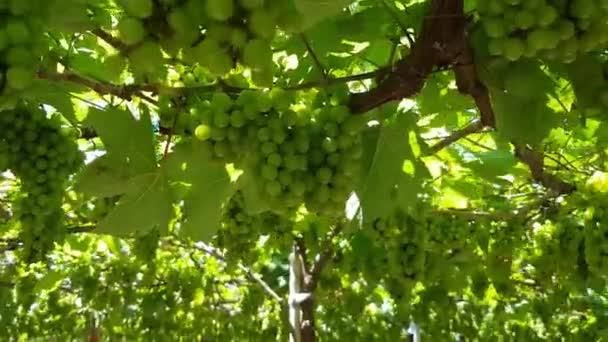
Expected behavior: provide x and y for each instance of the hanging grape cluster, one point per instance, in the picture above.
(214, 34)
(574, 247)
(42, 155)
(21, 44)
(296, 153)
(404, 242)
(242, 229)
(551, 29)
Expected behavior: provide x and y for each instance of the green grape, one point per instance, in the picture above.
(524, 20)
(220, 10)
(210, 54)
(203, 132)
(221, 102)
(221, 119)
(262, 23)
(19, 78)
(264, 134)
(138, 8)
(274, 159)
(285, 178)
(329, 145)
(495, 27)
(324, 175)
(237, 119)
(233, 134)
(17, 31)
(131, 30)
(273, 188)
(146, 58)
(269, 172)
(513, 48)
(184, 28)
(251, 4)
(238, 37)
(268, 147)
(257, 54)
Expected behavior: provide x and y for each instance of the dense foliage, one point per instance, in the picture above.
(256, 170)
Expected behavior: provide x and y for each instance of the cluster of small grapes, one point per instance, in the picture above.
(21, 44)
(241, 230)
(144, 247)
(404, 240)
(213, 33)
(298, 154)
(38, 151)
(551, 29)
(573, 248)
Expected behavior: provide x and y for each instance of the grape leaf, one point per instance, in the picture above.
(145, 205)
(490, 164)
(126, 138)
(314, 11)
(49, 281)
(384, 180)
(210, 187)
(103, 177)
(512, 111)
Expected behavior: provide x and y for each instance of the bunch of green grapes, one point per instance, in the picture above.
(404, 241)
(574, 247)
(595, 234)
(241, 229)
(551, 29)
(298, 154)
(228, 124)
(21, 44)
(144, 247)
(42, 155)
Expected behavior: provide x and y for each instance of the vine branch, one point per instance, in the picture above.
(475, 127)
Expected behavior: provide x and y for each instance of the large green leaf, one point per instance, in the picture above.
(49, 281)
(527, 121)
(126, 138)
(145, 205)
(104, 177)
(314, 11)
(210, 187)
(391, 174)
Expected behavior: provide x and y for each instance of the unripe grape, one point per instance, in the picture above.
(262, 23)
(220, 10)
(138, 8)
(274, 159)
(131, 30)
(273, 188)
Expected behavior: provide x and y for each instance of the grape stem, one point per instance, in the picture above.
(314, 56)
(116, 43)
(124, 92)
(474, 127)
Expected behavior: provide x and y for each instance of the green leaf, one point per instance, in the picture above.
(315, 11)
(103, 177)
(525, 121)
(385, 184)
(495, 163)
(49, 281)
(56, 94)
(126, 139)
(145, 205)
(210, 187)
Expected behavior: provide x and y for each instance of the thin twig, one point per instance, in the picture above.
(116, 43)
(474, 127)
(322, 258)
(330, 81)
(314, 57)
(214, 253)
